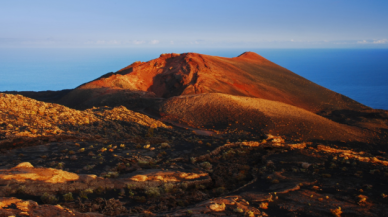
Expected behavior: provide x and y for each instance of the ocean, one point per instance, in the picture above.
(361, 74)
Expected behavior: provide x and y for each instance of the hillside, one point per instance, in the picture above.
(223, 111)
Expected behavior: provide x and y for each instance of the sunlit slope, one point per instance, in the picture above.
(22, 119)
(256, 115)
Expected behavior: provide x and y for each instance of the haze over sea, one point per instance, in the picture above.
(361, 74)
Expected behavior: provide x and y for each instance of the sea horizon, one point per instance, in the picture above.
(360, 74)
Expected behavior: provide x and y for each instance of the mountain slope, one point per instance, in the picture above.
(256, 115)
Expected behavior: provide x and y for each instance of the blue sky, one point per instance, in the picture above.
(181, 23)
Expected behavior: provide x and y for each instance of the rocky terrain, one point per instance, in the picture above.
(192, 135)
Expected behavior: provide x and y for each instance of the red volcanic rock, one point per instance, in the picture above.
(190, 73)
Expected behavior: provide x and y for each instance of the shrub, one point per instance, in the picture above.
(68, 197)
(152, 191)
(99, 190)
(206, 165)
(184, 185)
(48, 198)
(84, 193)
(143, 162)
(60, 165)
(130, 186)
(168, 187)
(21, 189)
(111, 175)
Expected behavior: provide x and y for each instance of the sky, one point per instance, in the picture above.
(199, 23)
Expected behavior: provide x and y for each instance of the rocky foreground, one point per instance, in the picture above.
(57, 161)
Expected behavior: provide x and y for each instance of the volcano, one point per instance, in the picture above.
(249, 74)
